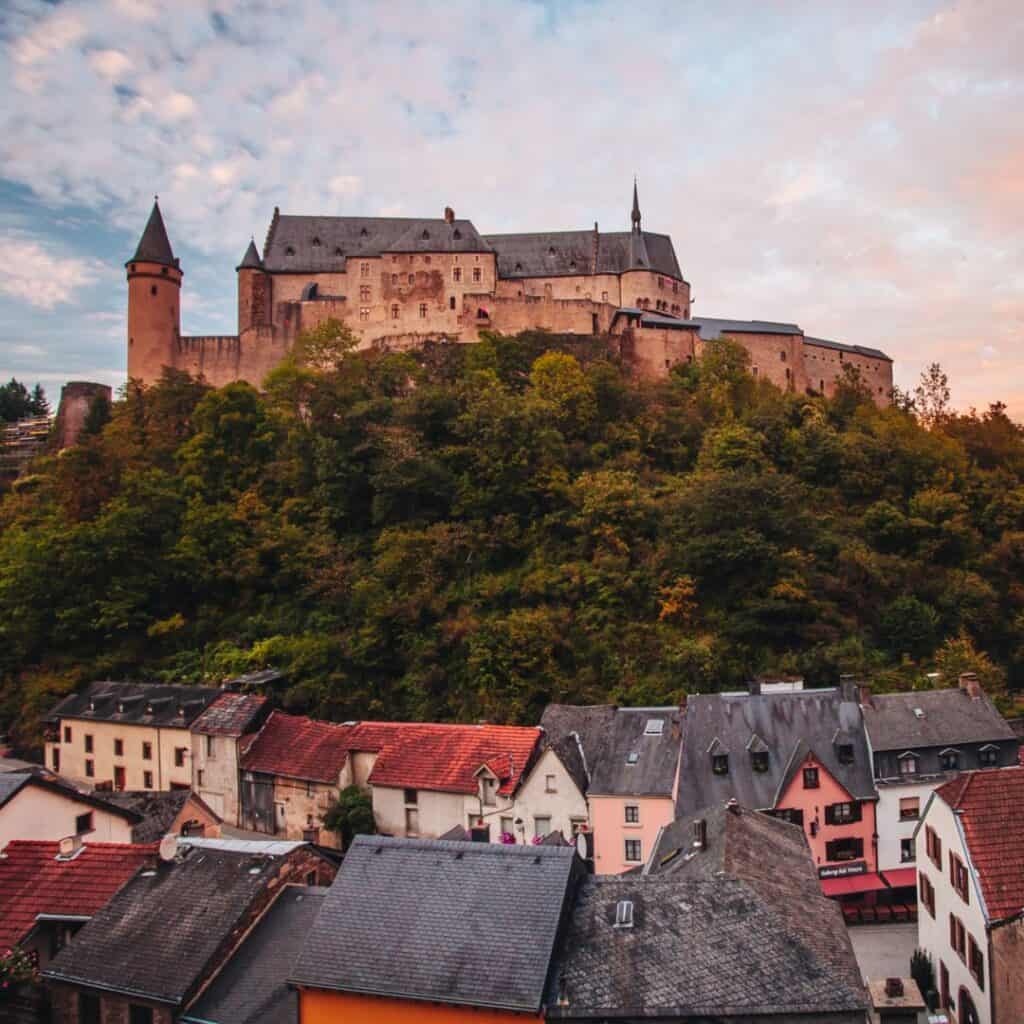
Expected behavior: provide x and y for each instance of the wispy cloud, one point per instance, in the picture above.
(40, 277)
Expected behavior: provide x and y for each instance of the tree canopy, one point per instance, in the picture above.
(469, 532)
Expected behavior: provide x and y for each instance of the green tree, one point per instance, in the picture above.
(350, 815)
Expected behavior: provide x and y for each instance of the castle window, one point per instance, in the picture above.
(782, 356)
(364, 292)
(675, 286)
(518, 267)
(551, 251)
(394, 279)
(426, 233)
(412, 279)
(364, 313)
(457, 274)
(394, 259)
(822, 383)
(163, 270)
(456, 234)
(476, 273)
(337, 251)
(423, 310)
(604, 296)
(426, 259)
(394, 312)
(364, 233)
(661, 282)
(364, 269)
(152, 289)
(289, 251)
(753, 370)
(451, 302)
(132, 268)
(572, 264)
(316, 243)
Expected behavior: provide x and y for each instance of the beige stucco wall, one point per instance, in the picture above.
(565, 806)
(438, 812)
(37, 814)
(215, 775)
(301, 805)
(164, 741)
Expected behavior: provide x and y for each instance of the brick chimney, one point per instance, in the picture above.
(449, 215)
(969, 682)
(864, 696)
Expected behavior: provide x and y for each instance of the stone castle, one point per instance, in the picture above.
(399, 282)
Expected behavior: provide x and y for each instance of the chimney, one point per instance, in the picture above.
(893, 987)
(700, 834)
(848, 687)
(969, 682)
(69, 847)
(864, 696)
(449, 215)
(754, 687)
(733, 805)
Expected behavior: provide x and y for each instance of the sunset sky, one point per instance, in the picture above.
(857, 168)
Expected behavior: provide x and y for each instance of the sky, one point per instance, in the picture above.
(856, 168)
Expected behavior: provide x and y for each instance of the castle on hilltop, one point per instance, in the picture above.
(399, 282)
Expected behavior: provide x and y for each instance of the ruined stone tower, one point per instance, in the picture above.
(154, 302)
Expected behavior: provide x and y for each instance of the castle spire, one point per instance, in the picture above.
(636, 207)
(251, 259)
(154, 245)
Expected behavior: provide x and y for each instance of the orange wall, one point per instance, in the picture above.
(316, 1007)
(813, 803)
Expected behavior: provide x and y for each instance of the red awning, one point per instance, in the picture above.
(898, 878)
(851, 884)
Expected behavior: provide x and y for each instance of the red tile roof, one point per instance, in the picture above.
(229, 715)
(33, 881)
(988, 805)
(443, 758)
(299, 748)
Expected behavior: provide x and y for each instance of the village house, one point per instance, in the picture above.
(631, 757)
(970, 865)
(131, 736)
(175, 812)
(48, 890)
(424, 778)
(917, 741)
(148, 954)
(724, 922)
(468, 934)
(799, 754)
(38, 806)
(219, 736)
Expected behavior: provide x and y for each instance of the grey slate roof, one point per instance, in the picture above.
(458, 923)
(154, 245)
(251, 259)
(788, 724)
(858, 350)
(712, 327)
(704, 949)
(11, 783)
(323, 244)
(156, 938)
(950, 717)
(253, 987)
(136, 703)
(654, 771)
(566, 253)
(157, 811)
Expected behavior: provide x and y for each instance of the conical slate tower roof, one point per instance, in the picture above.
(635, 215)
(251, 258)
(154, 245)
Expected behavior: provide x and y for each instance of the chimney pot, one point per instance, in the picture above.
(893, 987)
(733, 805)
(969, 682)
(449, 215)
(864, 696)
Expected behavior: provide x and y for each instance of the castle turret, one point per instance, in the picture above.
(253, 291)
(638, 258)
(154, 302)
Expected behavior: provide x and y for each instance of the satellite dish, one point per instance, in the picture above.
(581, 845)
(168, 848)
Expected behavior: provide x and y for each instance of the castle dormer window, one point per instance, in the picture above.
(289, 251)
(720, 764)
(949, 760)
(518, 267)
(425, 235)
(572, 265)
(316, 243)
(364, 233)
(551, 251)
(456, 234)
(337, 251)
(759, 761)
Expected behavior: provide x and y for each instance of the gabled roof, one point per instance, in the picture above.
(949, 716)
(253, 986)
(157, 810)
(790, 725)
(251, 260)
(447, 922)
(153, 704)
(856, 350)
(33, 882)
(987, 804)
(154, 245)
(12, 783)
(634, 762)
(231, 714)
(299, 748)
(158, 937)
(739, 929)
(585, 725)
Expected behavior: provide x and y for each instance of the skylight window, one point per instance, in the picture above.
(654, 727)
(632, 758)
(624, 914)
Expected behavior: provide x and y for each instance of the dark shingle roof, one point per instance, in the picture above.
(787, 723)
(251, 259)
(136, 703)
(154, 245)
(857, 350)
(156, 938)
(566, 253)
(11, 783)
(458, 923)
(253, 987)
(231, 714)
(157, 811)
(322, 244)
(653, 772)
(587, 725)
(949, 717)
(712, 327)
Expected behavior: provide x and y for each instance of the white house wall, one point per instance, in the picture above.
(890, 829)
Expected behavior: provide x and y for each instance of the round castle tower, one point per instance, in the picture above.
(154, 302)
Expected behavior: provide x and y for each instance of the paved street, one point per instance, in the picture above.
(884, 950)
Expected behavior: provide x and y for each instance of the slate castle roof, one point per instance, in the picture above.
(35, 881)
(459, 923)
(154, 245)
(987, 806)
(788, 725)
(157, 937)
(948, 717)
(154, 704)
(253, 986)
(628, 751)
(739, 929)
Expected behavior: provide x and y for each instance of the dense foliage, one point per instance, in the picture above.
(18, 403)
(471, 531)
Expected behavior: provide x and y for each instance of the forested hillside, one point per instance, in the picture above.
(472, 531)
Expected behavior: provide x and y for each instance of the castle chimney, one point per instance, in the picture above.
(864, 696)
(969, 682)
(449, 215)
(732, 805)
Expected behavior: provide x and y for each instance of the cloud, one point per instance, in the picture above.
(40, 277)
(855, 170)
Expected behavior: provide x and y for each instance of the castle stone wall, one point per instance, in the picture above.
(824, 368)
(76, 398)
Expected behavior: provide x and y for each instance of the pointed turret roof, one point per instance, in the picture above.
(251, 259)
(154, 245)
(635, 215)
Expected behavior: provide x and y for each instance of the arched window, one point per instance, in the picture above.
(394, 311)
(782, 355)
(310, 291)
